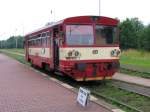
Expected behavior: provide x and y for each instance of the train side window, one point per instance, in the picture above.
(36, 42)
(29, 43)
(47, 40)
(44, 41)
(49, 36)
(43, 34)
(47, 33)
(33, 43)
(39, 35)
(39, 41)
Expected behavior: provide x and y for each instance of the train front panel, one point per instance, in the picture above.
(89, 63)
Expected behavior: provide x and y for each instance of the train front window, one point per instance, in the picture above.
(79, 35)
(106, 35)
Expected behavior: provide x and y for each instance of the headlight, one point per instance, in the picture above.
(115, 53)
(73, 54)
(70, 53)
(76, 53)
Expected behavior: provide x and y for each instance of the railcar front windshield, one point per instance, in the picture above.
(79, 35)
(106, 35)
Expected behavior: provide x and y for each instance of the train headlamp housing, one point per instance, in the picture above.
(115, 53)
(76, 53)
(70, 53)
(73, 54)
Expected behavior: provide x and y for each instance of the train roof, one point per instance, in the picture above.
(80, 20)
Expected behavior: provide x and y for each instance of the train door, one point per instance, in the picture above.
(55, 48)
(51, 47)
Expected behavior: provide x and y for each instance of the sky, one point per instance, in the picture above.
(18, 17)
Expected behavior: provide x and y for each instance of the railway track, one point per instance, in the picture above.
(141, 90)
(121, 104)
(123, 86)
(136, 72)
(94, 86)
(135, 69)
(94, 92)
(109, 99)
(132, 88)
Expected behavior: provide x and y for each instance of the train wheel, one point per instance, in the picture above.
(46, 67)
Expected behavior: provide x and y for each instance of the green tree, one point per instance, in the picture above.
(130, 29)
(11, 42)
(3, 44)
(144, 39)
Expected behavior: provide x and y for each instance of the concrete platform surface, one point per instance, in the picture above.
(23, 90)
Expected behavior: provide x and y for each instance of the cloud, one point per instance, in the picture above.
(32, 14)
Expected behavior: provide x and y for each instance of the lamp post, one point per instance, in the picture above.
(53, 14)
(99, 7)
(16, 39)
(16, 43)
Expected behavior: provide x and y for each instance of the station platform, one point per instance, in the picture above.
(24, 90)
(132, 79)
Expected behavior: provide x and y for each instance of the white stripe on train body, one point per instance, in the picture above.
(42, 52)
(85, 53)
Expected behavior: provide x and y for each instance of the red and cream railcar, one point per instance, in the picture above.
(84, 48)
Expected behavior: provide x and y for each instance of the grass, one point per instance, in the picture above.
(20, 51)
(136, 58)
(132, 99)
(135, 63)
(15, 56)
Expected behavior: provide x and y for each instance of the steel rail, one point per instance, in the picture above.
(115, 101)
(135, 71)
(141, 90)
